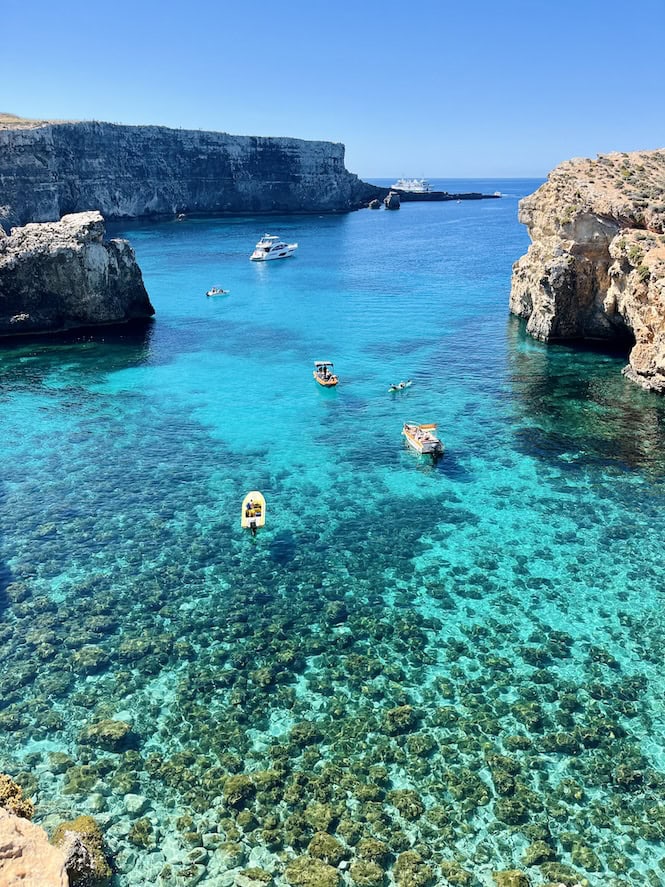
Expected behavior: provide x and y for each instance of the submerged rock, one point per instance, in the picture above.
(253, 877)
(455, 875)
(401, 719)
(326, 847)
(411, 870)
(510, 878)
(367, 874)
(304, 871)
(63, 275)
(596, 265)
(108, 734)
(537, 853)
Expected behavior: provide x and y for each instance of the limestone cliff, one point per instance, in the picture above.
(63, 275)
(26, 857)
(48, 169)
(596, 265)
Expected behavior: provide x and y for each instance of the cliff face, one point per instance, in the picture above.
(50, 169)
(62, 275)
(596, 265)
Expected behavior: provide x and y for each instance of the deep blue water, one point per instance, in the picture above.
(513, 589)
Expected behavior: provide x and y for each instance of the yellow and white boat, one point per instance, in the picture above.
(253, 512)
(324, 373)
(422, 438)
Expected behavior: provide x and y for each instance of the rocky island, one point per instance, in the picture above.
(596, 265)
(63, 275)
(50, 168)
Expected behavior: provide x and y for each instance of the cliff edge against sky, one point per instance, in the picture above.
(52, 168)
(596, 265)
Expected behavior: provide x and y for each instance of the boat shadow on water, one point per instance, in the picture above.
(282, 548)
(452, 467)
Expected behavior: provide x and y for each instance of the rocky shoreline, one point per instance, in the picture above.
(64, 275)
(596, 265)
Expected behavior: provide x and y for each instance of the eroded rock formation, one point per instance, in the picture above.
(63, 275)
(48, 169)
(26, 857)
(596, 265)
(82, 843)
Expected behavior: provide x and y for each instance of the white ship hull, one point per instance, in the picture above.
(262, 256)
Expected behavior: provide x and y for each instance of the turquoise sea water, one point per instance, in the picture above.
(462, 659)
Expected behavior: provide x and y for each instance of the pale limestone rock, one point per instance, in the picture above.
(596, 265)
(63, 275)
(135, 804)
(213, 840)
(26, 857)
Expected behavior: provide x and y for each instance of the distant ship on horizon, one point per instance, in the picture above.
(415, 186)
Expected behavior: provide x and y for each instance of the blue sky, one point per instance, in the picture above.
(417, 89)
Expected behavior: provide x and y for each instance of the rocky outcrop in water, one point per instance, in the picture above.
(596, 266)
(63, 275)
(82, 843)
(391, 200)
(48, 169)
(26, 857)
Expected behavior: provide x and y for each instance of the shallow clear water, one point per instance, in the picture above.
(513, 589)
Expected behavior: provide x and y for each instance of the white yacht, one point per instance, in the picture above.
(416, 186)
(271, 247)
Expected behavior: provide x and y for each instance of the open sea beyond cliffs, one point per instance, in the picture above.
(461, 660)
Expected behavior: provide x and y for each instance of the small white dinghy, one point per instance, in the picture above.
(217, 291)
(253, 512)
